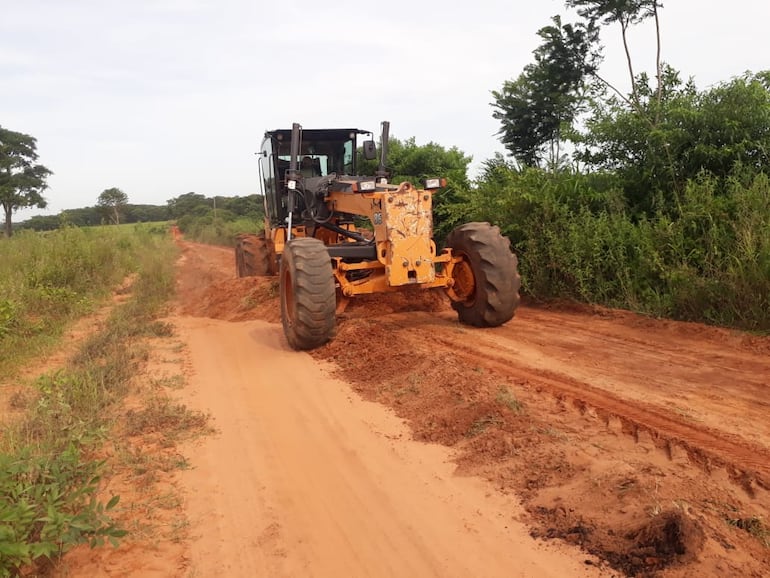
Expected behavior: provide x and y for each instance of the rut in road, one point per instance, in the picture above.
(708, 447)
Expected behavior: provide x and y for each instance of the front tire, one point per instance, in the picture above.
(308, 298)
(486, 278)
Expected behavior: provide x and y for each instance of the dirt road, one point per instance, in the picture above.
(307, 479)
(569, 442)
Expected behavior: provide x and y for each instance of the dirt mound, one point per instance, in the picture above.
(668, 539)
(365, 306)
(237, 300)
(584, 478)
(257, 298)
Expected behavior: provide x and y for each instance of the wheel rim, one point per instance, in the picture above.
(464, 280)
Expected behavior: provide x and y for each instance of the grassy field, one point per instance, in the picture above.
(49, 475)
(49, 279)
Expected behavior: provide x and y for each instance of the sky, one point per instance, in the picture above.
(164, 97)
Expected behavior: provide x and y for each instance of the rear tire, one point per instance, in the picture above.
(308, 296)
(254, 256)
(486, 281)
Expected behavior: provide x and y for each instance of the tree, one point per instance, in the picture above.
(41, 223)
(22, 181)
(186, 204)
(712, 131)
(539, 108)
(145, 213)
(112, 202)
(626, 13)
(544, 100)
(408, 161)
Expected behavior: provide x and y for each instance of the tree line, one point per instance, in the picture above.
(122, 211)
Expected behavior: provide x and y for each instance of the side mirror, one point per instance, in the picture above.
(370, 150)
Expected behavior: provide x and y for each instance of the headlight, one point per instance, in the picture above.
(434, 183)
(365, 186)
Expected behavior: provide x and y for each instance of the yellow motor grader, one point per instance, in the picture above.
(314, 200)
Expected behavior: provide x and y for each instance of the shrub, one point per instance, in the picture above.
(47, 506)
(705, 257)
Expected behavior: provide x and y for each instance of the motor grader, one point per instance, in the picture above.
(331, 235)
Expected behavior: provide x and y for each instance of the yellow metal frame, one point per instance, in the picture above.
(403, 226)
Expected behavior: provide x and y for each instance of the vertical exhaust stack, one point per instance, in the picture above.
(382, 174)
(296, 138)
(292, 175)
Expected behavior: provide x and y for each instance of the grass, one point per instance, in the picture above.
(161, 415)
(141, 462)
(48, 280)
(49, 476)
(482, 424)
(217, 231)
(169, 382)
(179, 529)
(755, 526)
(505, 397)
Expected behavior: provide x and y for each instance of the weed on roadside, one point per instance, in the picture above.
(173, 421)
(48, 481)
(755, 526)
(170, 382)
(47, 506)
(179, 529)
(505, 397)
(20, 399)
(47, 281)
(482, 424)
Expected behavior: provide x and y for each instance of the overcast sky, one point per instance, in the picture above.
(164, 97)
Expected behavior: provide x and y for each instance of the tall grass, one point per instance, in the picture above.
(706, 258)
(48, 279)
(48, 477)
(217, 230)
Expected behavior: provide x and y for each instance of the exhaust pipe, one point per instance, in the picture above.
(292, 175)
(296, 138)
(382, 174)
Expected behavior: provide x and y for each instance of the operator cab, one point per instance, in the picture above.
(322, 152)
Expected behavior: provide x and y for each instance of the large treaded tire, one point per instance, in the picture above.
(253, 256)
(308, 298)
(487, 280)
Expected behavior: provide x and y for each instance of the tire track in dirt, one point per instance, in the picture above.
(705, 446)
(734, 453)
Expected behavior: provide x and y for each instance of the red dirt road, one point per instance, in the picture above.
(569, 442)
(306, 479)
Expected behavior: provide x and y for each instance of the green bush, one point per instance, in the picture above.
(705, 257)
(47, 506)
(220, 230)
